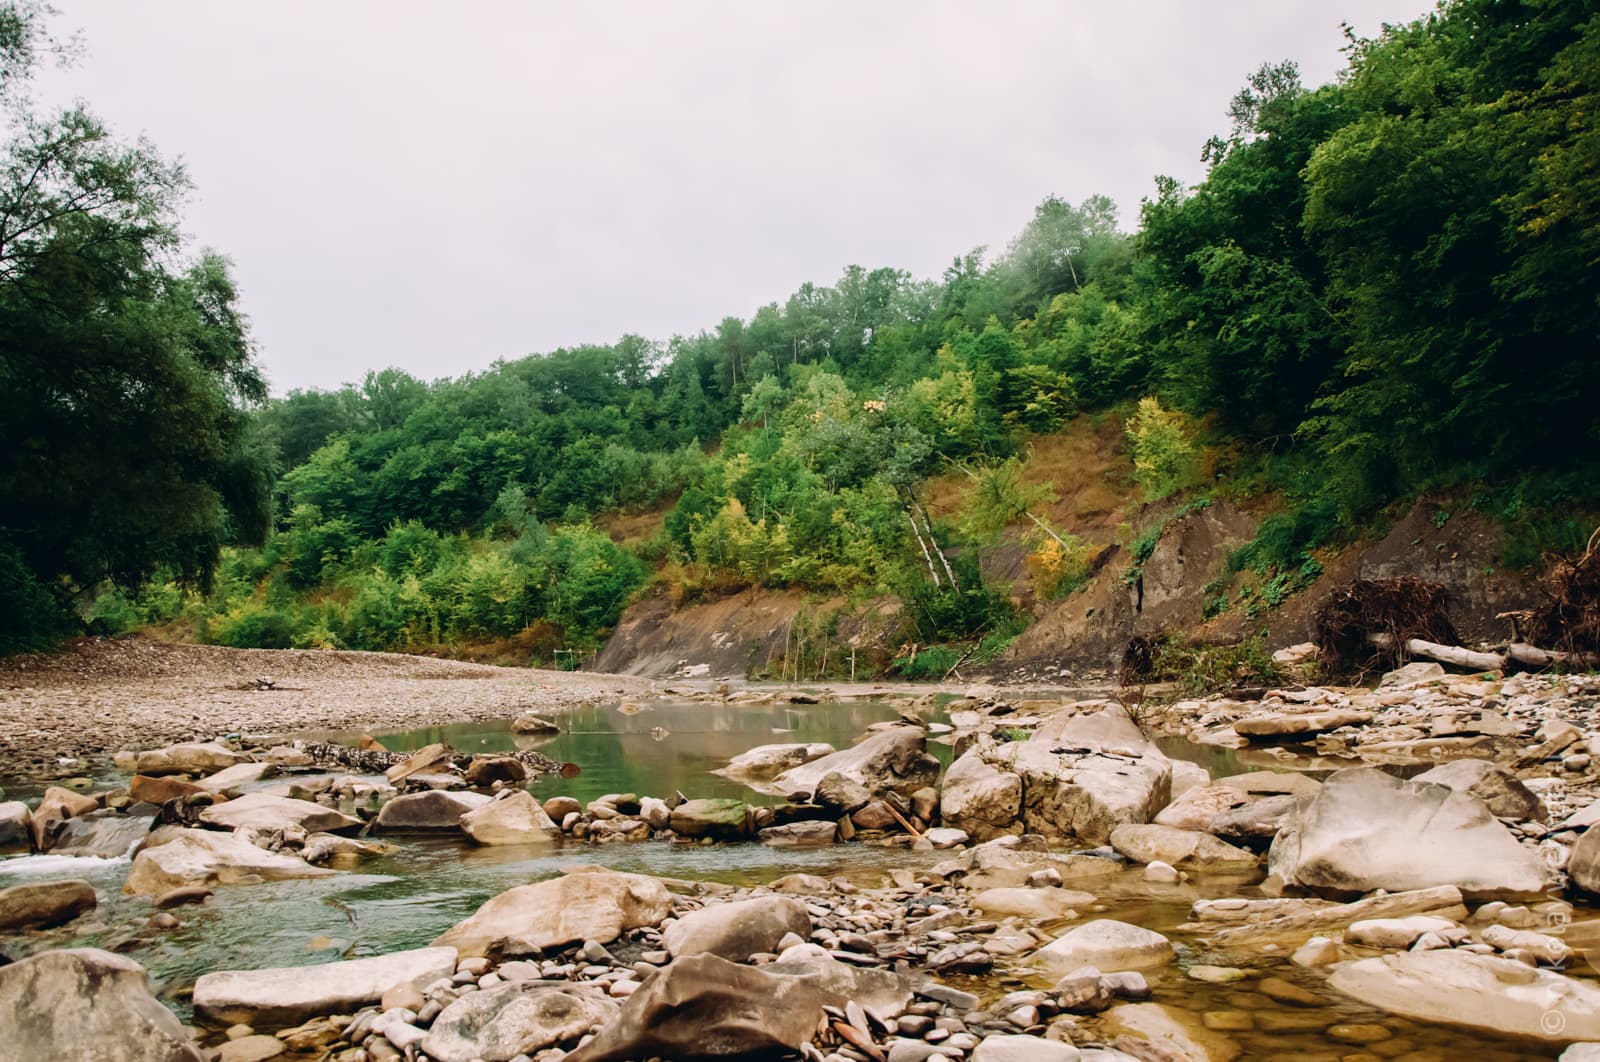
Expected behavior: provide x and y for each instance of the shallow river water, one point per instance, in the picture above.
(406, 899)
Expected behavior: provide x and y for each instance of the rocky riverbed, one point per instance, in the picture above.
(1412, 881)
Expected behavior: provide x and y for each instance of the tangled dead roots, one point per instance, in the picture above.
(1570, 621)
(1403, 608)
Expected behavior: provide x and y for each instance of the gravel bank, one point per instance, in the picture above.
(101, 695)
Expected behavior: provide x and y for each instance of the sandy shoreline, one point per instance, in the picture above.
(102, 695)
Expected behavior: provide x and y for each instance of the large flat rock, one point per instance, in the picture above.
(1368, 830)
(1480, 991)
(206, 857)
(593, 905)
(88, 1004)
(275, 812)
(286, 996)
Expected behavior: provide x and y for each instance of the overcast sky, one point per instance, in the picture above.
(435, 186)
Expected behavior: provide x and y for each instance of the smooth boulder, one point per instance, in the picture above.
(1368, 830)
(883, 992)
(704, 1007)
(1105, 944)
(739, 929)
(40, 905)
(979, 797)
(519, 1018)
(16, 827)
(515, 818)
(593, 905)
(1179, 848)
(206, 857)
(435, 809)
(282, 997)
(1482, 991)
(192, 757)
(717, 819)
(275, 812)
(56, 806)
(84, 1003)
(765, 762)
(101, 834)
(891, 761)
(1502, 791)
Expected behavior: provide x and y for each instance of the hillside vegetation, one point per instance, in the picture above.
(1384, 285)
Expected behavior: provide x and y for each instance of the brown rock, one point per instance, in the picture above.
(160, 790)
(44, 904)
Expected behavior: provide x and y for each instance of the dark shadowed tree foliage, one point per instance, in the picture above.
(125, 446)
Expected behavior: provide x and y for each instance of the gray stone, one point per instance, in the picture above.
(701, 1006)
(206, 857)
(274, 813)
(1105, 944)
(891, 761)
(1497, 787)
(432, 810)
(278, 998)
(100, 834)
(765, 762)
(521, 1018)
(592, 905)
(811, 832)
(883, 992)
(979, 797)
(1179, 848)
(738, 930)
(84, 1003)
(1024, 1049)
(1481, 991)
(1368, 830)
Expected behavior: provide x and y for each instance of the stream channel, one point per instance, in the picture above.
(406, 899)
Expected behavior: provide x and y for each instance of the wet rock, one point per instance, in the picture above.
(1368, 830)
(205, 857)
(16, 828)
(184, 895)
(514, 818)
(528, 723)
(1039, 905)
(1482, 991)
(483, 771)
(875, 816)
(100, 834)
(44, 904)
(84, 1003)
(739, 929)
(1084, 775)
(942, 837)
(891, 761)
(595, 905)
(263, 812)
(981, 798)
(327, 849)
(765, 762)
(188, 758)
(1024, 1049)
(239, 774)
(800, 834)
(1497, 787)
(56, 805)
(719, 819)
(428, 758)
(1178, 848)
(278, 998)
(435, 809)
(160, 790)
(1174, 1033)
(1107, 945)
(559, 807)
(1400, 932)
(704, 1007)
(521, 1018)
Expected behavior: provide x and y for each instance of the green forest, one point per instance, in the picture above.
(1385, 285)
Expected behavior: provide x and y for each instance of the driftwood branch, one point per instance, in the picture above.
(1473, 660)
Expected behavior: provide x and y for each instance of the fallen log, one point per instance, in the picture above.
(1445, 654)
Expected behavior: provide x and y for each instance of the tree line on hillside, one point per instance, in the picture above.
(1383, 285)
